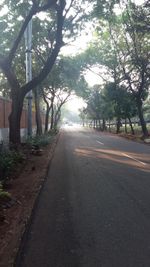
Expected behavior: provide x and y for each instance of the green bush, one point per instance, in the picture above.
(3, 194)
(53, 131)
(39, 140)
(8, 161)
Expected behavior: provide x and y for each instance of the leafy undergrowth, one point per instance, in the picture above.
(40, 140)
(10, 160)
(10, 163)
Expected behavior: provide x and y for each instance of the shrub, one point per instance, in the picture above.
(39, 140)
(8, 161)
(53, 131)
(3, 194)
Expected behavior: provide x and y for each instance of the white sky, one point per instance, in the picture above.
(75, 104)
(79, 45)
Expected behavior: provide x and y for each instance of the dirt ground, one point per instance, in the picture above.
(24, 190)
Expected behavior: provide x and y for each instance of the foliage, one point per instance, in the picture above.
(147, 109)
(123, 101)
(4, 195)
(64, 81)
(40, 140)
(53, 131)
(121, 45)
(83, 115)
(8, 162)
(60, 21)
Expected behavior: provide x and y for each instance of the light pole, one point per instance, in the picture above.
(28, 45)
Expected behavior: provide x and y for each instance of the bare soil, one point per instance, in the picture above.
(24, 190)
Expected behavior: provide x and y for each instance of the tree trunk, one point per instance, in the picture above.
(141, 117)
(47, 118)
(15, 119)
(118, 125)
(131, 126)
(126, 126)
(37, 114)
(52, 116)
(57, 118)
(104, 125)
(94, 123)
(99, 123)
(109, 126)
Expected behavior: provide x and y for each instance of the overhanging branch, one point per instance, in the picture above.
(34, 10)
(51, 59)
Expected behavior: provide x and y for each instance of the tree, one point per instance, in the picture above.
(18, 92)
(83, 115)
(122, 46)
(58, 19)
(60, 84)
(96, 107)
(135, 61)
(61, 100)
(123, 103)
(38, 112)
(48, 97)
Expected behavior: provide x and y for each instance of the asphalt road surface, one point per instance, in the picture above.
(94, 209)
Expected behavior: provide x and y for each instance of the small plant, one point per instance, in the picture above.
(53, 131)
(39, 141)
(3, 194)
(8, 161)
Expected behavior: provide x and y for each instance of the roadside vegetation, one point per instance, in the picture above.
(10, 160)
(13, 161)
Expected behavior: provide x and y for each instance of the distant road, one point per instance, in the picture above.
(94, 210)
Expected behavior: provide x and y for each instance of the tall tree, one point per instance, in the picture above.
(134, 60)
(37, 112)
(122, 46)
(63, 81)
(123, 103)
(14, 23)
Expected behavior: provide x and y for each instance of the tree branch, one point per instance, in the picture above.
(99, 75)
(39, 55)
(34, 10)
(67, 10)
(19, 37)
(12, 79)
(51, 59)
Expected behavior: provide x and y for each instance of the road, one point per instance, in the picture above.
(94, 209)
